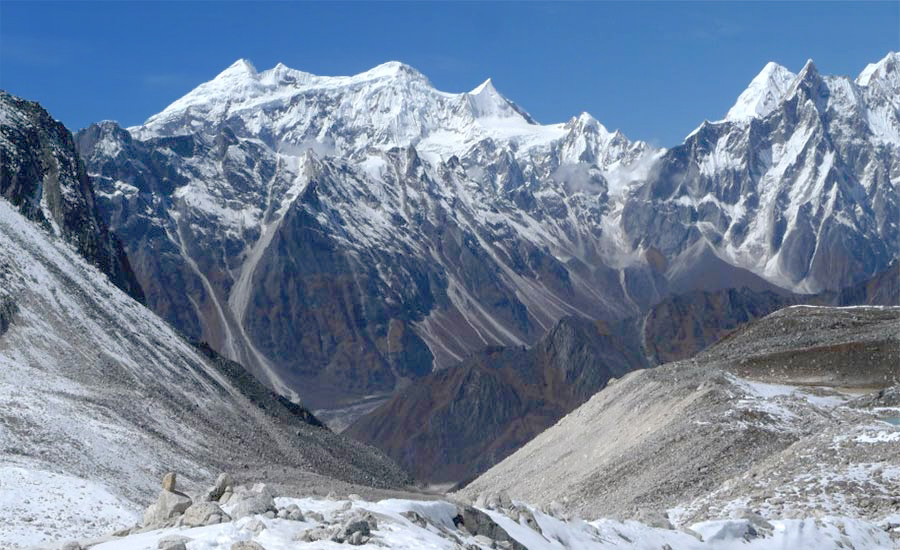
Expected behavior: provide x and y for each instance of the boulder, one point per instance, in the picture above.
(317, 534)
(255, 526)
(168, 505)
(524, 515)
(258, 500)
(263, 489)
(357, 539)
(494, 501)
(168, 482)
(291, 512)
(172, 542)
(252, 505)
(354, 530)
(477, 523)
(204, 513)
(220, 487)
(653, 518)
(415, 518)
(247, 545)
(757, 526)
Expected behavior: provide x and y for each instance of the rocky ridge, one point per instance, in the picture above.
(706, 437)
(42, 174)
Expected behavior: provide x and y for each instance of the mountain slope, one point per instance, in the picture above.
(457, 422)
(96, 387)
(454, 424)
(42, 174)
(696, 438)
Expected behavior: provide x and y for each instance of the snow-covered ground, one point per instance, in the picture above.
(37, 505)
(396, 529)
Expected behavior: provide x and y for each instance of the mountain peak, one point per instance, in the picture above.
(585, 121)
(809, 70)
(486, 87)
(886, 69)
(391, 69)
(487, 102)
(763, 94)
(808, 79)
(241, 67)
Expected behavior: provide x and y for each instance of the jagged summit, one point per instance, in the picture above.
(390, 105)
(486, 87)
(809, 72)
(239, 67)
(488, 103)
(887, 70)
(586, 121)
(763, 94)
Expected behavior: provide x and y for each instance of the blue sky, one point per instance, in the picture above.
(654, 70)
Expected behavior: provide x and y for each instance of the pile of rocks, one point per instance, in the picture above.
(345, 524)
(176, 509)
(355, 530)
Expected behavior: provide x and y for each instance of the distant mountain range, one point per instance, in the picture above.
(344, 236)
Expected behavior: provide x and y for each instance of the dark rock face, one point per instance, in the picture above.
(133, 210)
(320, 292)
(456, 423)
(42, 174)
(679, 327)
(881, 290)
(8, 310)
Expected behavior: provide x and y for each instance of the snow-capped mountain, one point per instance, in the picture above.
(798, 184)
(342, 236)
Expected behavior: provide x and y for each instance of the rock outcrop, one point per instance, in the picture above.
(43, 175)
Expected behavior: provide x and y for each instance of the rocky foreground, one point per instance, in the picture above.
(239, 517)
